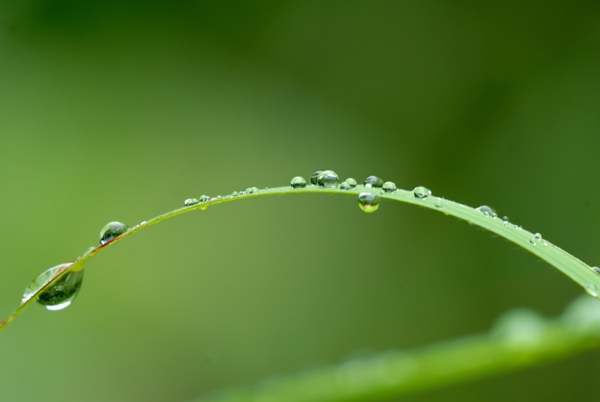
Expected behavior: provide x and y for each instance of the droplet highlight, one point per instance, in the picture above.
(298, 182)
(368, 202)
(328, 179)
(421, 192)
(389, 187)
(315, 177)
(112, 230)
(373, 182)
(190, 202)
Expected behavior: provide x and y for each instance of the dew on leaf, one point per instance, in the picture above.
(596, 270)
(61, 293)
(298, 182)
(439, 203)
(351, 182)
(190, 201)
(592, 289)
(204, 198)
(421, 192)
(487, 211)
(389, 187)
(112, 230)
(373, 181)
(328, 179)
(251, 190)
(368, 202)
(315, 177)
(345, 186)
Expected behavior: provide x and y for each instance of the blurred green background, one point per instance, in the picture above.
(119, 110)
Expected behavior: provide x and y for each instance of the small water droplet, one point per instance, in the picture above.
(60, 294)
(315, 177)
(487, 211)
(112, 230)
(345, 186)
(438, 203)
(298, 182)
(373, 181)
(351, 182)
(368, 202)
(421, 192)
(204, 198)
(251, 190)
(592, 289)
(190, 201)
(505, 220)
(596, 270)
(328, 179)
(389, 187)
(535, 239)
(234, 194)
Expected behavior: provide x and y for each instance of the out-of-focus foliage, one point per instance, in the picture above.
(121, 110)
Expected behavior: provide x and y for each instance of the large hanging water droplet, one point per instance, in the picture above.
(487, 211)
(421, 192)
(328, 179)
(112, 230)
(61, 293)
(298, 182)
(315, 177)
(351, 182)
(389, 187)
(190, 201)
(368, 202)
(373, 181)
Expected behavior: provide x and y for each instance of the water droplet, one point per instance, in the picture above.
(298, 182)
(204, 198)
(328, 179)
(112, 230)
(389, 187)
(487, 211)
(421, 192)
(368, 202)
(251, 190)
(373, 181)
(505, 220)
(190, 201)
(234, 194)
(536, 238)
(345, 186)
(61, 293)
(351, 182)
(596, 270)
(314, 177)
(592, 289)
(438, 203)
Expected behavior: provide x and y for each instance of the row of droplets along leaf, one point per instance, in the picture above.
(61, 293)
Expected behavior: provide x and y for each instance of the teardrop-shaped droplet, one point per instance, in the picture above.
(328, 179)
(315, 177)
(61, 293)
(190, 201)
(112, 230)
(351, 182)
(421, 192)
(204, 198)
(368, 202)
(487, 211)
(373, 181)
(592, 289)
(298, 182)
(389, 187)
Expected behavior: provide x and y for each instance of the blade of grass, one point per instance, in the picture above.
(577, 270)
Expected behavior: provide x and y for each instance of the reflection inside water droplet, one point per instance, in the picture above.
(421, 192)
(61, 293)
(328, 179)
(351, 182)
(315, 177)
(190, 201)
(389, 187)
(373, 182)
(487, 211)
(298, 182)
(112, 230)
(368, 202)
